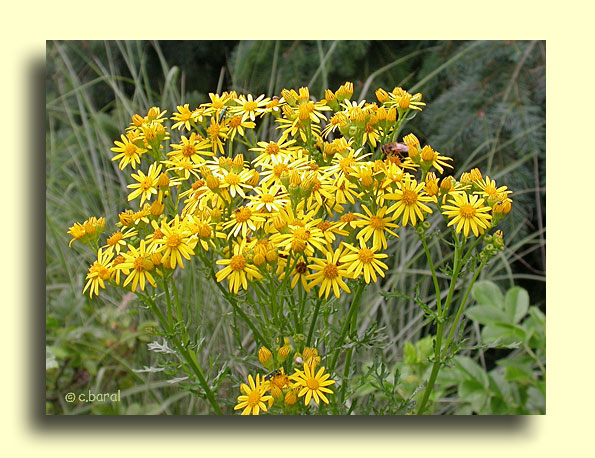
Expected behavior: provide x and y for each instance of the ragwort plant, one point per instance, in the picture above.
(285, 227)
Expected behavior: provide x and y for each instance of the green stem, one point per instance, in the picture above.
(353, 309)
(460, 310)
(314, 318)
(184, 352)
(438, 344)
(433, 270)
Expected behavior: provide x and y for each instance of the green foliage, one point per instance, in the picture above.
(516, 384)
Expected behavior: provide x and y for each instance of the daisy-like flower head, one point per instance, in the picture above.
(468, 213)
(250, 108)
(375, 225)
(237, 270)
(146, 184)
(270, 199)
(87, 231)
(129, 152)
(404, 100)
(117, 240)
(100, 272)
(235, 181)
(192, 148)
(312, 384)
(138, 262)
(243, 220)
(271, 152)
(237, 125)
(490, 191)
(254, 398)
(329, 273)
(217, 133)
(411, 199)
(184, 117)
(302, 235)
(176, 243)
(365, 260)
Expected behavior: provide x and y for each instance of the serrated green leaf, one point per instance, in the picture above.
(516, 304)
(473, 392)
(486, 314)
(487, 293)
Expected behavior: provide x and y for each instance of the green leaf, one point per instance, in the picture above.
(473, 392)
(516, 304)
(486, 314)
(487, 293)
(507, 333)
(472, 370)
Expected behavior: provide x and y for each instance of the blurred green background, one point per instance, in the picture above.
(486, 109)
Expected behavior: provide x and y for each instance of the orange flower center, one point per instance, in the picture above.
(243, 215)
(238, 262)
(188, 150)
(267, 198)
(467, 211)
(272, 148)
(312, 383)
(130, 149)
(348, 217)
(146, 183)
(330, 271)
(235, 121)
(250, 106)
(409, 197)
(253, 398)
(232, 179)
(376, 222)
(279, 169)
(174, 240)
(365, 255)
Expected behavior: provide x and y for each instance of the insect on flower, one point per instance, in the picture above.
(273, 374)
(395, 149)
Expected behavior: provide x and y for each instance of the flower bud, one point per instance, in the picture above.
(283, 353)
(259, 259)
(271, 256)
(381, 95)
(264, 356)
(427, 154)
(290, 398)
(157, 208)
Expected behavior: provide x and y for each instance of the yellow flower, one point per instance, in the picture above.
(117, 240)
(175, 242)
(242, 221)
(468, 214)
(250, 108)
(364, 260)
(312, 384)
(238, 270)
(410, 198)
(375, 225)
(254, 398)
(191, 148)
(130, 153)
(184, 117)
(329, 273)
(99, 272)
(271, 199)
(237, 125)
(138, 262)
(87, 231)
(147, 184)
(270, 152)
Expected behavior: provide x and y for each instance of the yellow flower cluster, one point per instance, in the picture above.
(312, 209)
(307, 381)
